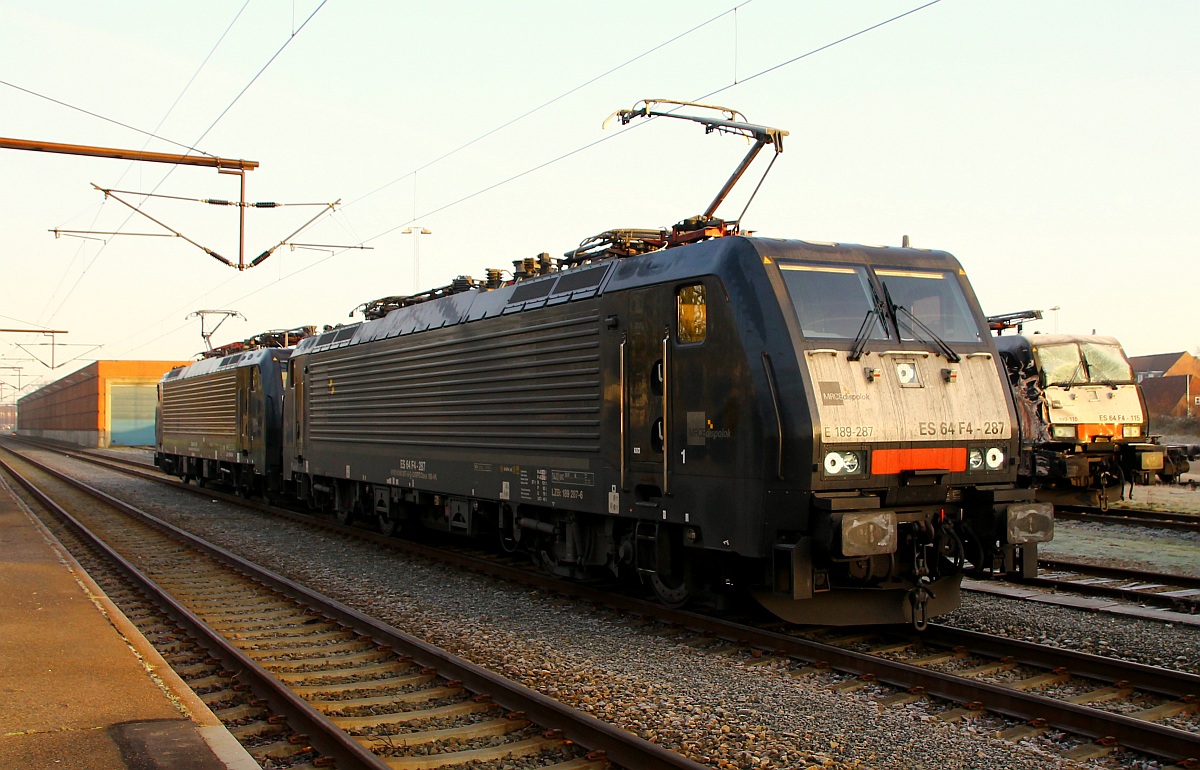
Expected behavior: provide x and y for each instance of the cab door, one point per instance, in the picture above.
(242, 384)
(646, 384)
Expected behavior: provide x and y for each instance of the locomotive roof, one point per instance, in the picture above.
(592, 279)
(235, 361)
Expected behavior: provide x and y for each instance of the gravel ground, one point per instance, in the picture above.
(1183, 497)
(1109, 545)
(715, 709)
(1143, 641)
(1153, 550)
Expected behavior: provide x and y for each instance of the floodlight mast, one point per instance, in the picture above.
(730, 124)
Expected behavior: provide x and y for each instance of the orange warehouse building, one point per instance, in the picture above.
(107, 403)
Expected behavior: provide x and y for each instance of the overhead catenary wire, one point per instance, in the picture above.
(596, 142)
(152, 134)
(554, 160)
(258, 74)
(825, 47)
(161, 121)
(549, 102)
(425, 166)
(361, 243)
(26, 323)
(234, 101)
(97, 115)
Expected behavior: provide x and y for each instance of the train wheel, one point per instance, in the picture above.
(674, 591)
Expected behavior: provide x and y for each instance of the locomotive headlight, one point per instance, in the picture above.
(843, 463)
(864, 534)
(906, 373)
(994, 458)
(975, 459)
(1029, 523)
(1131, 431)
(1063, 431)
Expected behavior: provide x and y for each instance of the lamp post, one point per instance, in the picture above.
(416, 233)
(1055, 310)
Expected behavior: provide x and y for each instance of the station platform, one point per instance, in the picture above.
(80, 687)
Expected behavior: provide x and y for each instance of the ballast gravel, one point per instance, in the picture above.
(715, 709)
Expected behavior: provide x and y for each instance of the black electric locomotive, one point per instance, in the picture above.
(220, 419)
(823, 426)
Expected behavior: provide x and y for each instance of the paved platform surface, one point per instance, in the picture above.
(76, 691)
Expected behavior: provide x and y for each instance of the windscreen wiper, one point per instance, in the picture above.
(864, 332)
(1101, 378)
(918, 324)
(1070, 383)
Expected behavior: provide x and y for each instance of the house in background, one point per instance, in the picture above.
(1170, 382)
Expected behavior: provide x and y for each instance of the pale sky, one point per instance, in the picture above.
(1051, 145)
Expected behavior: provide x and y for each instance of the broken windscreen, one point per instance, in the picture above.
(1107, 363)
(1060, 364)
(832, 301)
(1063, 364)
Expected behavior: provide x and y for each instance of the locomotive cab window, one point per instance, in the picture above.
(1106, 364)
(1067, 364)
(832, 301)
(692, 313)
(933, 298)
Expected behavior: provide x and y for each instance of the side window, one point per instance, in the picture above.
(692, 313)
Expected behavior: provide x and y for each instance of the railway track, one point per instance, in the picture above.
(1176, 593)
(352, 692)
(1179, 593)
(1130, 517)
(1038, 688)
